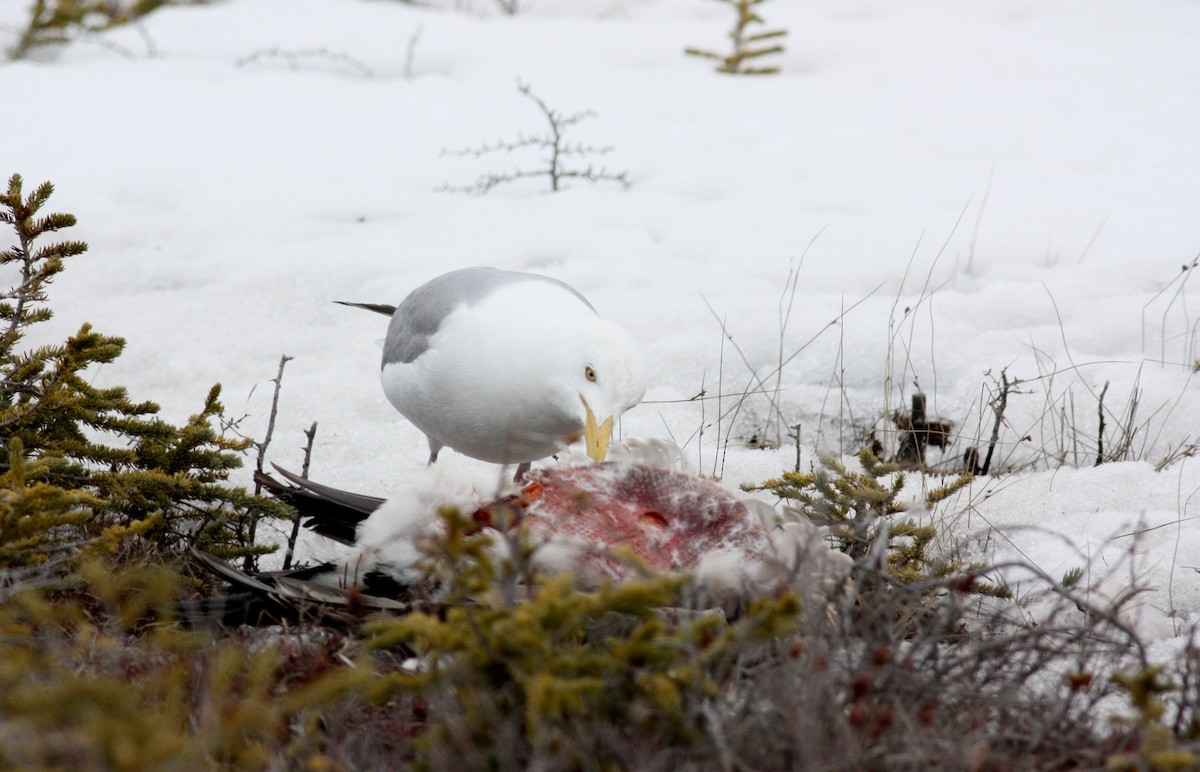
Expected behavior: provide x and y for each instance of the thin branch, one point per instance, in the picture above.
(310, 433)
(553, 143)
(410, 52)
(262, 446)
(999, 405)
(295, 58)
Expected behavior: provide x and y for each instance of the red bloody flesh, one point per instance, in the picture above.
(667, 519)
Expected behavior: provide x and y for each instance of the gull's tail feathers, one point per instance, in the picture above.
(379, 308)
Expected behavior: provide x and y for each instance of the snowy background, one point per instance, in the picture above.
(966, 187)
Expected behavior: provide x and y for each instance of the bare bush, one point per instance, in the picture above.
(557, 152)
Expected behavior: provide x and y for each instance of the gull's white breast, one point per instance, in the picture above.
(487, 384)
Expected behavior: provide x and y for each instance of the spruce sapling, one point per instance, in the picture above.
(747, 46)
(137, 470)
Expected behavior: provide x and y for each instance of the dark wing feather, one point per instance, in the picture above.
(331, 512)
(379, 308)
(273, 597)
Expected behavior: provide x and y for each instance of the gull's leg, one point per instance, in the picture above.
(434, 447)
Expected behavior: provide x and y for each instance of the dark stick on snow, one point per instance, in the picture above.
(914, 440)
(998, 407)
(311, 433)
(262, 446)
(262, 452)
(1100, 431)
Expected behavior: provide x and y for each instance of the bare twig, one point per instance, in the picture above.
(785, 315)
(795, 435)
(1179, 282)
(262, 446)
(295, 58)
(999, 404)
(249, 562)
(1092, 241)
(1188, 448)
(979, 219)
(310, 433)
(720, 388)
(410, 52)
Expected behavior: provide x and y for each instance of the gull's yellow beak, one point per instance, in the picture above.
(596, 436)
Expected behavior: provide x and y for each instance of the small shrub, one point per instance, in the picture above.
(83, 463)
(546, 678)
(748, 46)
(557, 153)
(1151, 743)
(859, 509)
(54, 22)
(99, 678)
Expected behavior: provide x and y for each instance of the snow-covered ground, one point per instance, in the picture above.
(966, 188)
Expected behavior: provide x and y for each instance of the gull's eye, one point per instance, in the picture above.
(589, 373)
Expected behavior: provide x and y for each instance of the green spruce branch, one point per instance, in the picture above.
(748, 47)
(510, 678)
(115, 468)
(55, 22)
(859, 509)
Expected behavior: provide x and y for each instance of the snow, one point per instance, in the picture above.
(965, 187)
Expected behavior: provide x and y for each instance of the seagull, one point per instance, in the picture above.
(507, 367)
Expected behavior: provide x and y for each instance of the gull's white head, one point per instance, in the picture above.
(606, 377)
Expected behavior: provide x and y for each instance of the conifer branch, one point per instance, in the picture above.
(54, 22)
(38, 266)
(859, 509)
(746, 45)
(61, 481)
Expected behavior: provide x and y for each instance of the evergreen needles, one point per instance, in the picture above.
(38, 266)
(54, 21)
(748, 46)
(84, 465)
(859, 507)
(540, 678)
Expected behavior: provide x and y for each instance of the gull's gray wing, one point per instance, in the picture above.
(421, 314)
